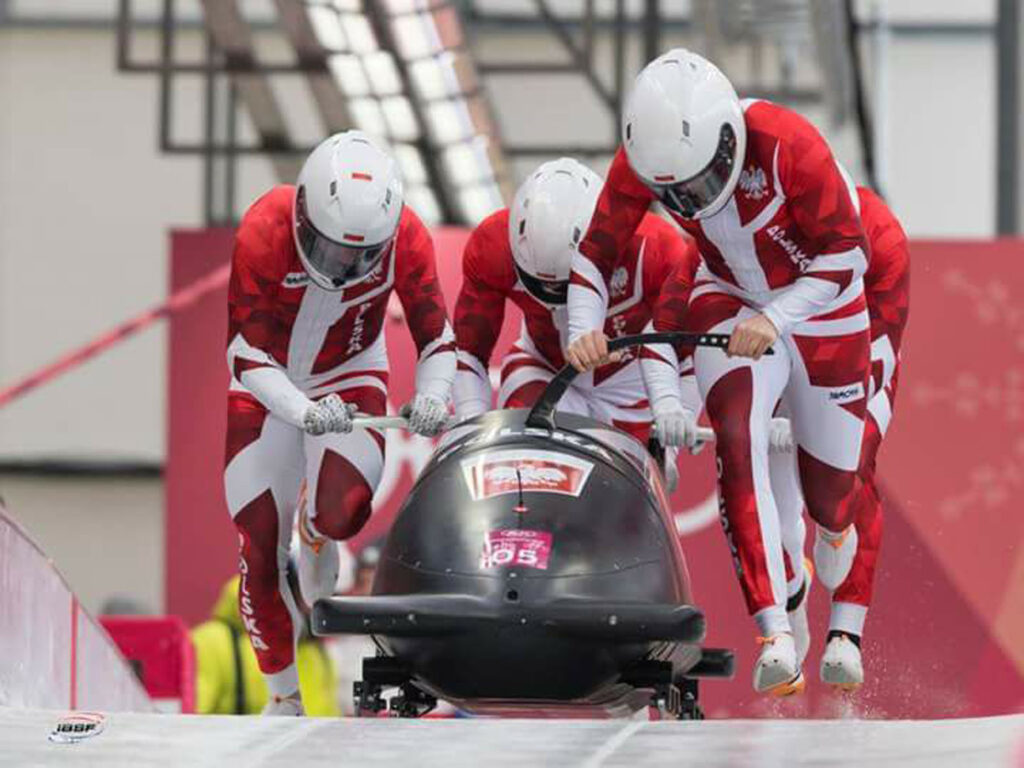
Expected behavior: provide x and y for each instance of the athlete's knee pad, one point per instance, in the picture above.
(343, 498)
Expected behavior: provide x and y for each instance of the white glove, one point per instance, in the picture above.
(780, 436)
(427, 414)
(331, 414)
(675, 425)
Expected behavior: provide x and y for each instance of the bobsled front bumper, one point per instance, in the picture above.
(441, 615)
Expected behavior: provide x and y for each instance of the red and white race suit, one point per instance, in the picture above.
(291, 342)
(789, 245)
(887, 290)
(613, 393)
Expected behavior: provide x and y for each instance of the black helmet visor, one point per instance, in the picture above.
(547, 291)
(690, 197)
(337, 262)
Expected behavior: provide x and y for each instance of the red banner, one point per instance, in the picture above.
(941, 639)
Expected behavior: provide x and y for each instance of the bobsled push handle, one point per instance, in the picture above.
(543, 413)
(365, 421)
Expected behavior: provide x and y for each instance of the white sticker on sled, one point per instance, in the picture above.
(495, 473)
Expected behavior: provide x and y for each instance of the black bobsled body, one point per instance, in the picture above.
(532, 568)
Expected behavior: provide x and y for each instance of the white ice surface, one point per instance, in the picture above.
(181, 740)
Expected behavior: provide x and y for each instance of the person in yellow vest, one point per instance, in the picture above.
(228, 679)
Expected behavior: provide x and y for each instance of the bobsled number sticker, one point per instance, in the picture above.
(500, 472)
(516, 547)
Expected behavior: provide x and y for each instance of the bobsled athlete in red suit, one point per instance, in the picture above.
(312, 271)
(783, 252)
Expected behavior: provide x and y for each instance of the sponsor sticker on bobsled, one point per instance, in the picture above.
(530, 549)
(77, 727)
(500, 472)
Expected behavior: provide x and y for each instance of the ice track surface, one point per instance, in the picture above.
(177, 740)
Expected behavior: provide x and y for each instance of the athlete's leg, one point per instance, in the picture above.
(790, 503)
(853, 597)
(261, 479)
(740, 396)
(827, 397)
(789, 500)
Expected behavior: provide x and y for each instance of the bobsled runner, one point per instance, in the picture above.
(533, 569)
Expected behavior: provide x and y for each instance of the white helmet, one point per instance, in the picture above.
(348, 201)
(684, 133)
(548, 218)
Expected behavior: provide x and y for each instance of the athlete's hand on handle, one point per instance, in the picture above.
(427, 414)
(752, 337)
(675, 425)
(589, 351)
(331, 414)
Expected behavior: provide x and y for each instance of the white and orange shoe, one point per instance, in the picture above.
(777, 671)
(796, 612)
(841, 666)
(284, 706)
(833, 555)
(319, 561)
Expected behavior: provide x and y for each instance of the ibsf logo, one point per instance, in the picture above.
(620, 277)
(78, 727)
(754, 183)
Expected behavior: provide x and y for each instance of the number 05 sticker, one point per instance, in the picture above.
(529, 549)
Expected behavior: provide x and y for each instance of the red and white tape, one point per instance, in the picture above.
(184, 298)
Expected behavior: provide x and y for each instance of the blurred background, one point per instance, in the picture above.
(122, 121)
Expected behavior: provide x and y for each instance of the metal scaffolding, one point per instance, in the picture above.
(395, 68)
(741, 32)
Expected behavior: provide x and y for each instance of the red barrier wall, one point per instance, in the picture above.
(941, 638)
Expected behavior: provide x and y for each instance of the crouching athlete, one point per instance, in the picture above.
(669, 376)
(782, 255)
(312, 270)
(523, 255)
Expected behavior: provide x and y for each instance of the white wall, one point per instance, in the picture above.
(941, 131)
(85, 204)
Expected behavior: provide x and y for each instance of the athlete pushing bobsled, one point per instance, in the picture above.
(524, 255)
(887, 290)
(312, 270)
(783, 252)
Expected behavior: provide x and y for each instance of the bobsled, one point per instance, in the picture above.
(533, 569)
